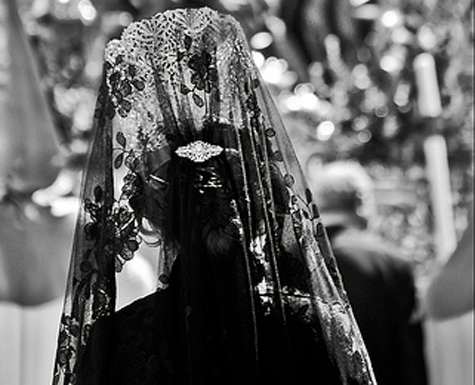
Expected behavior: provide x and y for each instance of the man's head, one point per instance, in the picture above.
(344, 193)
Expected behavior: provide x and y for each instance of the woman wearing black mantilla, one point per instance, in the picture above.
(191, 162)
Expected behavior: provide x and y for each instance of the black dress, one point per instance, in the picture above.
(150, 347)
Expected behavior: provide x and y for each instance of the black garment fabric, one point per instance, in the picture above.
(381, 289)
(191, 163)
(149, 347)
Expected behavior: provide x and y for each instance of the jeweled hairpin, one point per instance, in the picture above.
(199, 151)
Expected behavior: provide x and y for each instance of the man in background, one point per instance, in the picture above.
(379, 282)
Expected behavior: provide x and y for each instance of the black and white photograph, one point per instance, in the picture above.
(236, 192)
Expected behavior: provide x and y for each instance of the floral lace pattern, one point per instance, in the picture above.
(180, 78)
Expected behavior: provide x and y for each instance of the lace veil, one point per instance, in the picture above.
(191, 162)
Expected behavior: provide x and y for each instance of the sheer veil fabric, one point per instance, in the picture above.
(191, 162)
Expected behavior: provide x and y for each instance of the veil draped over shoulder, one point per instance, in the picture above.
(191, 163)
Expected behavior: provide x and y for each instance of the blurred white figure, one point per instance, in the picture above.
(38, 208)
(450, 293)
(450, 317)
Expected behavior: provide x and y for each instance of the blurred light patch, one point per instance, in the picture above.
(402, 36)
(325, 130)
(259, 59)
(87, 11)
(261, 40)
(426, 38)
(391, 18)
(360, 123)
(275, 71)
(304, 88)
(361, 78)
(390, 127)
(364, 136)
(125, 18)
(325, 108)
(358, 3)
(276, 66)
(381, 111)
(276, 26)
(307, 99)
(401, 96)
(292, 103)
(391, 63)
(367, 12)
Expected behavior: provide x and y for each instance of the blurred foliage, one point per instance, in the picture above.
(342, 75)
(371, 100)
(360, 102)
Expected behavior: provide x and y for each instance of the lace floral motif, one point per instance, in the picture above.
(120, 229)
(122, 81)
(204, 75)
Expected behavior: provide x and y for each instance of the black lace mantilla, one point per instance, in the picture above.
(179, 78)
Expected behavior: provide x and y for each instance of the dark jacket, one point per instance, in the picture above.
(381, 289)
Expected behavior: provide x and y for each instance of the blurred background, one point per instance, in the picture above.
(385, 83)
